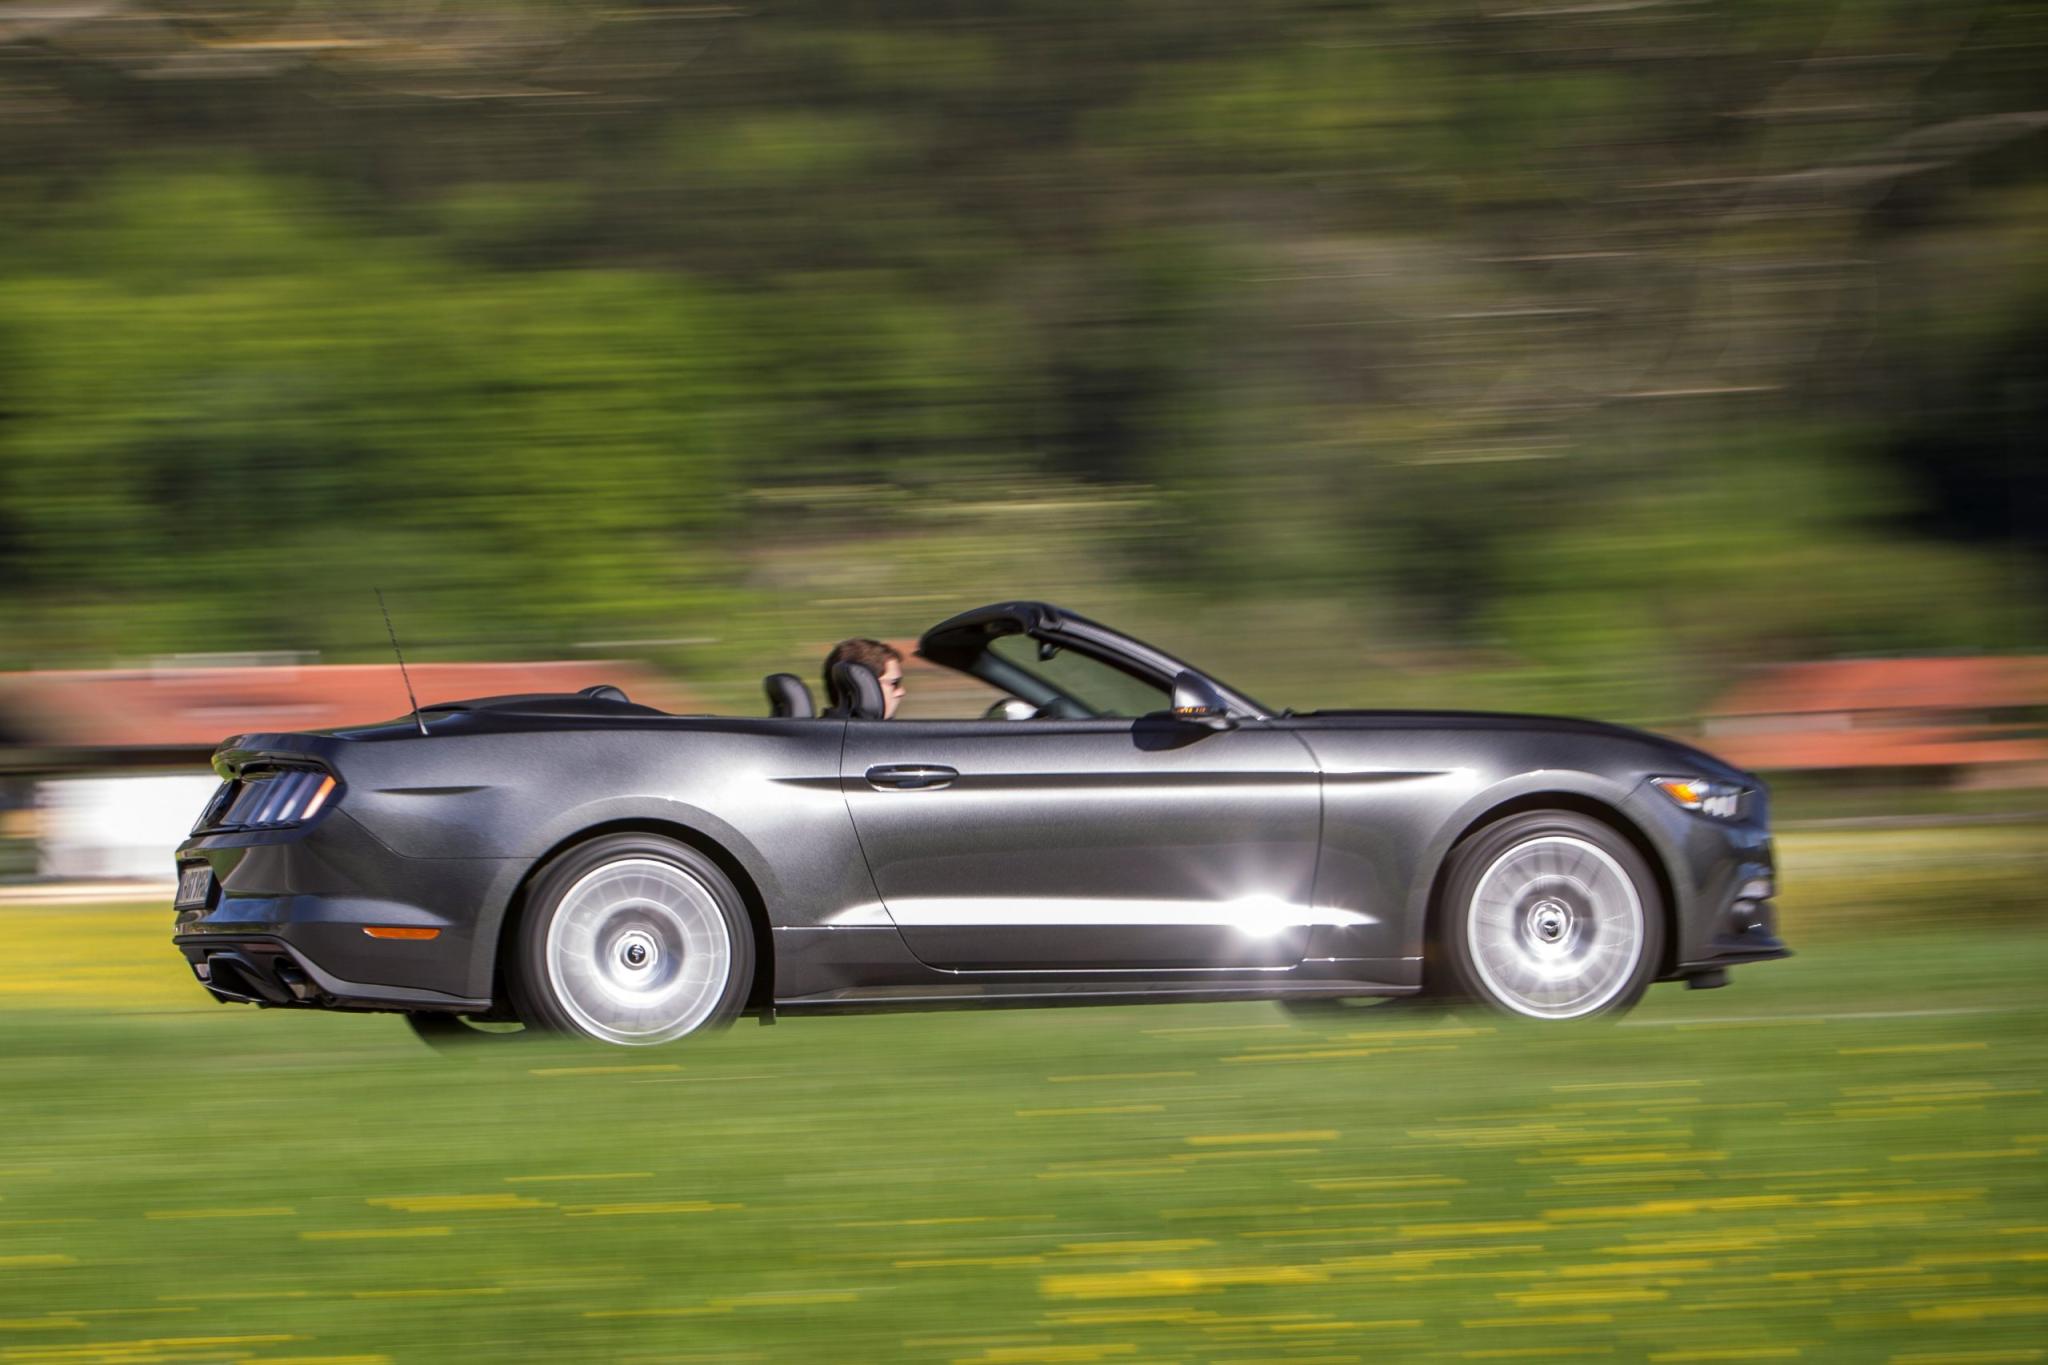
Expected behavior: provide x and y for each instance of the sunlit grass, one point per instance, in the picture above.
(1840, 1158)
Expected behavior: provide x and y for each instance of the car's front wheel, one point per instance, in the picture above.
(1550, 914)
(632, 939)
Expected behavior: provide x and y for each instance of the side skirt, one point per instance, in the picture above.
(1040, 995)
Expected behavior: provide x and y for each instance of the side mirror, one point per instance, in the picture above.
(1196, 699)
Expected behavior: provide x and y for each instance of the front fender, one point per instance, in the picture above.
(1525, 791)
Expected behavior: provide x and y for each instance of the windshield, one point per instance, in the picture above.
(1071, 683)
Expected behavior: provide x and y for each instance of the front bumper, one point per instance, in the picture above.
(1723, 882)
(1747, 930)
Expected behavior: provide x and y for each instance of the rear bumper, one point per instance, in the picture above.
(270, 972)
(288, 914)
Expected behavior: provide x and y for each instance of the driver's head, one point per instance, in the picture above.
(885, 660)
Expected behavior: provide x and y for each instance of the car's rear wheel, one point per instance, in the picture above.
(1550, 914)
(458, 1035)
(632, 939)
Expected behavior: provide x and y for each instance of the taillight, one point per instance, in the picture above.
(269, 798)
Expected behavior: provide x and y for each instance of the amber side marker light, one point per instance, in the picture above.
(1722, 800)
(399, 931)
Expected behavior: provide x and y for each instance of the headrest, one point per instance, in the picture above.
(787, 696)
(603, 692)
(857, 692)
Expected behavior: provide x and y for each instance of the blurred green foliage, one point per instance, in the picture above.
(1579, 356)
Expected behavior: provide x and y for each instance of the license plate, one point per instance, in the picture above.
(195, 885)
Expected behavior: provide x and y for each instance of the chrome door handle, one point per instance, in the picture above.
(911, 777)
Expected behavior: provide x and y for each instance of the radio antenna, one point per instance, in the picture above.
(409, 695)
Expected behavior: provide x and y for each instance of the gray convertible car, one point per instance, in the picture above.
(1118, 827)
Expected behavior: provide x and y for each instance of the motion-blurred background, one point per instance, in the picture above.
(1679, 362)
(1579, 355)
(1563, 357)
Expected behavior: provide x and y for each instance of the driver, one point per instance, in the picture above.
(885, 660)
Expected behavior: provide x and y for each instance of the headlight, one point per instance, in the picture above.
(1722, 800)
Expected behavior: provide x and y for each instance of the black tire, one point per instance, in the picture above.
(456, 1035)
(1338, 1008)
(631, 939)
(1548, 914)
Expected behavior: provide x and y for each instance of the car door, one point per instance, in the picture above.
(1089, 845)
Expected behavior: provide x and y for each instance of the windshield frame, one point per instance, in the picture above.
(961, 643)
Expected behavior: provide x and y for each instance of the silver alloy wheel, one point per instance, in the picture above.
(639, 951)
(1555, 927)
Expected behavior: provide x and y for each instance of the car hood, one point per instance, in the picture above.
(1685, 759)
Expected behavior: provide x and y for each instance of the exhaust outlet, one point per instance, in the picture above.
(294, 981)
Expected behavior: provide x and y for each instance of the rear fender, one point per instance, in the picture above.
(573, 825)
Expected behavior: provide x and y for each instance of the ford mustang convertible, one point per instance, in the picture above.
(1117, 827)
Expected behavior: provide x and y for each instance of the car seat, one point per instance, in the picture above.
(856, 692)
(787, 696)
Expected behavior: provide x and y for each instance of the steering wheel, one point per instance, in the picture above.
(1011, 708)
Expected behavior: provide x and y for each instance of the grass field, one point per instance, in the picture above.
(1838, 1159)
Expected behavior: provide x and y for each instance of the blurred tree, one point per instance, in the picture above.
(238, 412)
(1618, 345)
